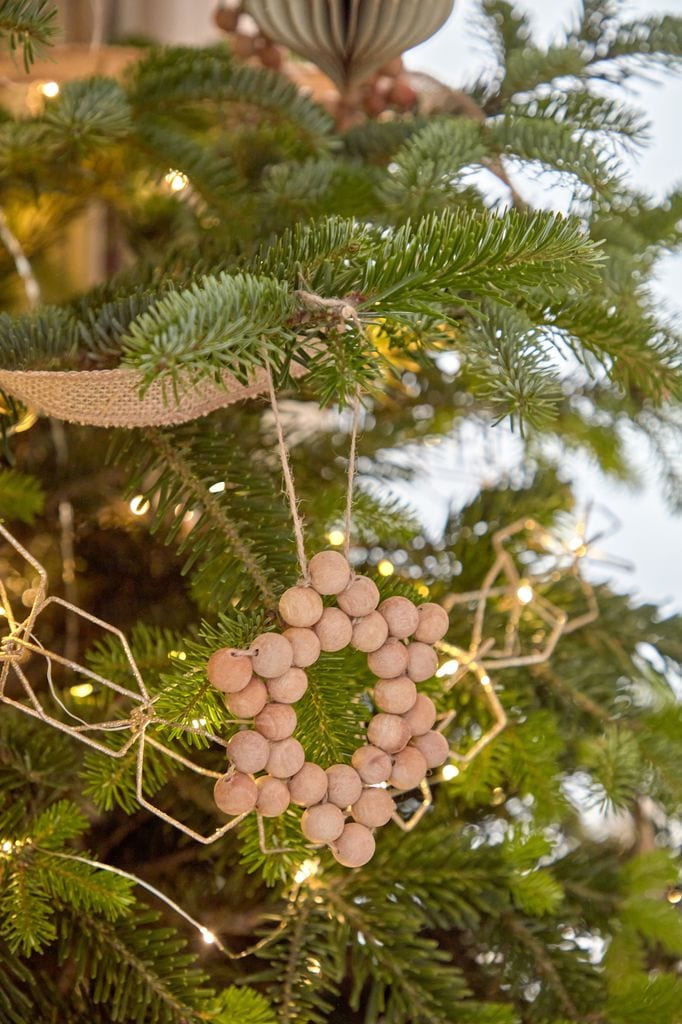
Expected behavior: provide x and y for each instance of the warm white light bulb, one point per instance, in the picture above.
(306, 870)
(336, 537)
(208, 937)
(218, 487)
(139, 506)
(385, 567)
(50, 89)
(81, 690)
(447, 668)
(450, 771)
(525, 593)
(176, 180)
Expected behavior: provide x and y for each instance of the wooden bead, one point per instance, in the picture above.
(273, 796)
(369, 632)
(300, 606)
(334, 630)
(395, 695)
(401, 616)
(389, 661)
(228, 670)
(422, 662)
(286, 758)
(248, 751)
(276, 721)
(372, 764)
(305, 645)
(248, 702)
(235, 794)
(373, 808)
(329, 572)
(434, 747)
(290, 687)
(309, 785)
(360, 597)
(273, 655)
(433, 623)
(322, 824)
(422, 716)
(409, 768)
(355, 846)
(344, 785)
(388, 732)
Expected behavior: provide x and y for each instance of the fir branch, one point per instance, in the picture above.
(21, 496)
(29, 24)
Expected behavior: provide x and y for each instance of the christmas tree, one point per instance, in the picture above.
(334, 262)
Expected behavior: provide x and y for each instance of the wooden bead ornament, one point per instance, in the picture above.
(236, 793)
(276, 721)
(323, 823)
(401, 616)
(355, 846)
(289, 688)
(360, 597)
(344, 785)
(373, 808)
(409, 768)
(369, 633)
(334, 630)
(433, 623)
(395, 695)
(422, 662)
(309, 785)
(248, 702)
(421, 717)
(306, 646)
(229, 670)
(372, 764)
(300, 606)
(389, 661)
(388, 732)
(273, 655)
(248, 751)
(286, 758)
(329, 572)
(273, 796)
(434, 747)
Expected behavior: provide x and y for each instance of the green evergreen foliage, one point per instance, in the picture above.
(503, 905)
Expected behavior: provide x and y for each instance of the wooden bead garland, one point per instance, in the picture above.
(263, 683)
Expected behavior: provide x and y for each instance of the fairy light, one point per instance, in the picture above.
(198, 723)
(423, 590)
(674, 896)
(447, 668)
(81, 690)
(176, 180)
(307, 869)
(485, 680)
(217, 488)
(208, 936)
(50, 89)
(385, 567)
(139, 505)
(524, 592)
(336, 537)
(450, 772)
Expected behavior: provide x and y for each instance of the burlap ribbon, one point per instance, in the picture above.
(111, 398)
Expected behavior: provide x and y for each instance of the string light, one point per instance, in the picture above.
(674, 896)
(447, 668)
(50, 89)
(139, 506)
(385, 567)
(307, 869)
(450, 771)
(336, 537)
(81, 690)
(524, 592)
(218, 487)
(176, 180)
(208, 937)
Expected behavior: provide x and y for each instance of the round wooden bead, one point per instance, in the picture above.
(409, 768)
(373, 808)
(323, 823)
(434, 747)
(369, 632)
(422, 716)
(422, 662)
(329, 572)
(273, 655)
(300, 606)
(290, 687)
(360, 597)
(433, 623)
(276, 721)
(389, 661)
(388, 732)
(235, 794)
(248, 751)
(395, 695)
(355, 846)
(309, 785)
(401, 616)
(305, 645)
(344, 785)
(372, 764)
(286, 758)
(334, 630)
(248, 702)
(228, 670)
(273, 796)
